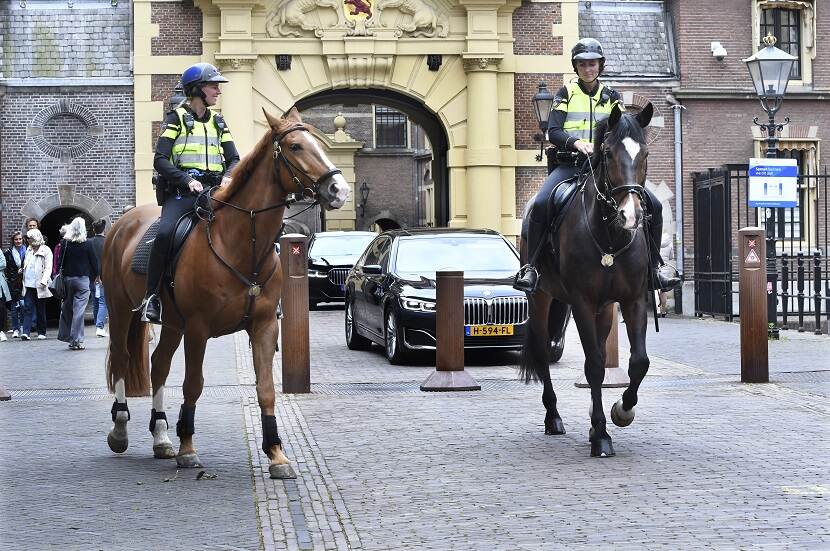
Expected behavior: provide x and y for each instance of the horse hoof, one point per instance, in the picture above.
(282, 471)
(188, 461)
(555, 426)
(619, 416)
(117, 443)
(163, 451)
(602, 447)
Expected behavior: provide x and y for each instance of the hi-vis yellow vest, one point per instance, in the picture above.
(584, 111)
(199, 146)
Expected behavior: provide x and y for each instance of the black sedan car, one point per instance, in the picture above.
(390, 292)
(331, 255)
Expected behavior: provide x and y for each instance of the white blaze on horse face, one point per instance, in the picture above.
(340, 187)
(632, 147)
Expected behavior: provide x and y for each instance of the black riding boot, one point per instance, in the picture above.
(151, 308)
(663, 281)
(528, 278)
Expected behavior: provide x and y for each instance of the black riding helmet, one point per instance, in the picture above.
(588, 48)
(195, 76)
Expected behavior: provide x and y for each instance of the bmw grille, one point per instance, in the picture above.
(499, 310)
(338, 275)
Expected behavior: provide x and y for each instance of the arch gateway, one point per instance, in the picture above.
(380, 45)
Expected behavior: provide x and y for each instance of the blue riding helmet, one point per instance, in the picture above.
(197, 75)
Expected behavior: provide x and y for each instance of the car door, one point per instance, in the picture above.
(363, 287)
(376, 285)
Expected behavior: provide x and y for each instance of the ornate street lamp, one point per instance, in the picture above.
(542, 103)
(770, 71)
(177, 97)
(364, 198)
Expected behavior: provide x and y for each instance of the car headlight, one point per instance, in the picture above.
(317, 273)
(418, 305)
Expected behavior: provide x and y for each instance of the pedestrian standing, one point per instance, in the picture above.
(79, 267)
(14, 276)
(37, 266)
(99, 303)
(5, 298)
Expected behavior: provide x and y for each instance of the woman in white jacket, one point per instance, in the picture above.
(37, 268)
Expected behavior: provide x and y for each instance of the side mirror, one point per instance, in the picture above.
(372, 269)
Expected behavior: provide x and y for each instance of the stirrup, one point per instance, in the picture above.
(666, 281)
(146, 305)
(526, 279)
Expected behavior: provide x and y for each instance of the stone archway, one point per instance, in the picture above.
(66, 197)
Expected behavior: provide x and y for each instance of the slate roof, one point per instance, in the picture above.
(635, 35)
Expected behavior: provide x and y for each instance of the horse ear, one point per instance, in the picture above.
(644, 116)
(292, 115)
(273, 122)
(614, 118)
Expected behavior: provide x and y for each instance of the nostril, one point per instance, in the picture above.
(333, 188)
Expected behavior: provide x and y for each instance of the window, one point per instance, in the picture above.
(785, 26)
(390, 128)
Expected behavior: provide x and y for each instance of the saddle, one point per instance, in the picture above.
(560, 200)
(141, 256)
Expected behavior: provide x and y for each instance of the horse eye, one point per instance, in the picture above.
(296, 147)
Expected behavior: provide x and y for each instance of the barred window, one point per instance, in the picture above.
(390, 128)
(785, 26)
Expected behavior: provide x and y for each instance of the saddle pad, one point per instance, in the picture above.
(141, 256)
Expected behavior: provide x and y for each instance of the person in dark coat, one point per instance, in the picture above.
(79, 267)
(15, 255)
(99, 304)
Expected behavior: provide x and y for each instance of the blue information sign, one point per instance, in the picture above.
(773, 183)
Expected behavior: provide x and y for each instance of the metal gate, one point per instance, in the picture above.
(801, 239)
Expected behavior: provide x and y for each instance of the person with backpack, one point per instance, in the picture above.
(195, 150)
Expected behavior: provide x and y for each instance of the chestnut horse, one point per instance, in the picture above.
(220, 285)
(598, 257)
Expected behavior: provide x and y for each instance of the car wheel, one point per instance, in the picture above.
(353, 340)
(393, 339)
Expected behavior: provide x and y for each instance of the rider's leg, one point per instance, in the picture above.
(537, 226)
(665, 281)
(173, 208)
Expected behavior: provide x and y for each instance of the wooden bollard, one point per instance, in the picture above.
(753, 305)
(296, 360)
(615, 377)
(449, 371)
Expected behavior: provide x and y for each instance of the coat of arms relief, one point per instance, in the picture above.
(415, 18)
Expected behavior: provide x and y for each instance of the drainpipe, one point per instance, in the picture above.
(678, 178)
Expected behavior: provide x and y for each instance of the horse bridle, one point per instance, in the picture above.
(255, 288)
(607, 199)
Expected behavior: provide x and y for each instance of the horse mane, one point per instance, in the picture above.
(243, 170)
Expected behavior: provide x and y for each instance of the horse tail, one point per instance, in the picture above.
(534, 359)
(136, 369)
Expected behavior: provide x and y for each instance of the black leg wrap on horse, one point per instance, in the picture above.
(269, 433)
(184, 426)
(118, 406)
(155, 416)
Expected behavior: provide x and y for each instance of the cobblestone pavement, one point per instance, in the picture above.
(708, 463)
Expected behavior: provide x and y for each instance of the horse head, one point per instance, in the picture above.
(624, 161)
(302, 164)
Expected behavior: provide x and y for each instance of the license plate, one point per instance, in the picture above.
(488, 330)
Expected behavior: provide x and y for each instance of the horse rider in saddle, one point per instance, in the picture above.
(194, 151)
(577, 109)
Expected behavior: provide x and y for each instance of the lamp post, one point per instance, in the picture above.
(177, 97)
(770, 72)
(542, 104)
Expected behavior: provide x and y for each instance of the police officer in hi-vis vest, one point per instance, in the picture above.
(577, 108)
(194, 151)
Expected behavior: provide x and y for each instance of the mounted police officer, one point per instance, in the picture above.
(195, 150)
(577, 109)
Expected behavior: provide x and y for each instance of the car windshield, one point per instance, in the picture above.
(475, 255)
(344, 244)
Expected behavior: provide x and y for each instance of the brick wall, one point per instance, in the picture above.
(525, 86)
(180, 28)
(698, 24)
(52, 40)
(392, 183)
(821, 64)
(533, 28)
(103, 172)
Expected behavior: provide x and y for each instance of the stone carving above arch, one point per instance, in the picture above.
(66, 195)
(394, 18)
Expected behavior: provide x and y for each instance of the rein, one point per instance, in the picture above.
(609, 205)
(255, 287)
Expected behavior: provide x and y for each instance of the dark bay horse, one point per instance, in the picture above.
(227, 278)
(598, 257)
